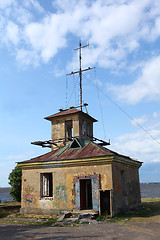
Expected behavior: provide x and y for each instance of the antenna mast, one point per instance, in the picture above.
(80, 72)
(80, 69)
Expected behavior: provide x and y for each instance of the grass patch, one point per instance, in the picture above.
(149, 211)
(85, 222)
(9, 208)
(11, 203)
(101, 218)
(2, 213)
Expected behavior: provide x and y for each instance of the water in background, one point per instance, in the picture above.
(4, 195)
(148, 190)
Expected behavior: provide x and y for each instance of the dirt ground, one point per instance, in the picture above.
(104, 230)
(142, 224)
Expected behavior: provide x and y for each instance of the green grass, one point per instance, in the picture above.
(149, 210)
(12, 203)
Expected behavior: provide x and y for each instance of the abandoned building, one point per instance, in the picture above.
(78, 173)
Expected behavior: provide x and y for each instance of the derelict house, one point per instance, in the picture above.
(78, 173)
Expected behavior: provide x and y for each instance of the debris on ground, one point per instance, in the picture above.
(78, 218)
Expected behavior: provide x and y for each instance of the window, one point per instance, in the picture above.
(89, 130)
(84, 128)
(68, 129)
(46, 185)
(123, 184)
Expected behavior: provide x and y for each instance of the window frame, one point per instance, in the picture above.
(68, 129)
(46, 185)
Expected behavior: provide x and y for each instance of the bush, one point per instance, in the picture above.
(15, 178)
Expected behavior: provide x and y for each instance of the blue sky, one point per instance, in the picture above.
(37, 38)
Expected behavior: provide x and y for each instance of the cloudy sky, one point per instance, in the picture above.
(37, 38)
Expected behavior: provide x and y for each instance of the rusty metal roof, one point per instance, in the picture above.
(91, 150)
(68, 112)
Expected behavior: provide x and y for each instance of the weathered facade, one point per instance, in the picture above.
(78, 174)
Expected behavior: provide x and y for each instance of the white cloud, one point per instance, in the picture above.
(43, 37)
(64, 6)
(114, 31)
(140, 120)
(12, 33)
(114, 28)
(22, 16)
(5, 3)
(33, 3)
(147, 86)
(27, 57)
(140, 145)
(155, 32)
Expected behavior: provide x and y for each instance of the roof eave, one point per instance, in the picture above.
(49, 118)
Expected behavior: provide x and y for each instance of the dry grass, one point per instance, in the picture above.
(148, 212)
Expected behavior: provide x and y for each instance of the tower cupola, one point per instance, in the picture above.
(69, 124)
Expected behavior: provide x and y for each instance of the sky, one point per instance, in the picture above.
(37, 42)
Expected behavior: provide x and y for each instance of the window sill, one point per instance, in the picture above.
(46, 198)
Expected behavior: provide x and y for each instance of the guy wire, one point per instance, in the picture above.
(122, 110)
(100, 104)
(66, 91)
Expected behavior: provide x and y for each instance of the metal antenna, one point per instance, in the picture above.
(80, 69)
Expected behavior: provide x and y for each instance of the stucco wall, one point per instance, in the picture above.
(58, 126)
(126, 196)
(63, 187)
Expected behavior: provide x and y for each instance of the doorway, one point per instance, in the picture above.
(105, 202)
(85, 194)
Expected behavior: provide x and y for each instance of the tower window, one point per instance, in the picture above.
(89, 129)
(84, 128)
(68, 129)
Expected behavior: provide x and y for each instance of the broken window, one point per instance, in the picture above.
(84, 128)
(89, 129)
(46, 185)
(68, 129)
(75, 144)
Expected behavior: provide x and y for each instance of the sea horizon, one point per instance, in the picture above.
(148, 190)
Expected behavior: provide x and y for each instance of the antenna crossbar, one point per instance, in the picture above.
(83, 70)
(80, 69)
(81, 47)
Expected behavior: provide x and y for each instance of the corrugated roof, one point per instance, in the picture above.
(68, 112)
(91, 150)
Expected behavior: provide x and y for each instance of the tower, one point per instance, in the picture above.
(69, 124)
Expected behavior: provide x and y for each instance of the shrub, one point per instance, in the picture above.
(15, 181)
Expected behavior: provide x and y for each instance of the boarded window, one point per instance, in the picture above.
(46, 185)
